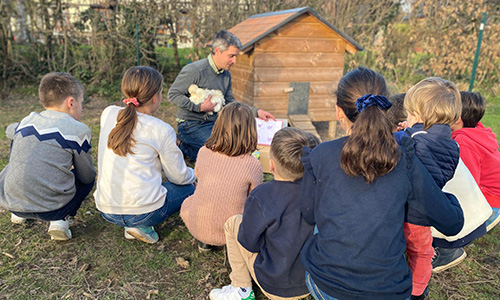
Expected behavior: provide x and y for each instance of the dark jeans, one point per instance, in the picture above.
(175, 196)
(316, 292)
(193, 135)
(70, 209)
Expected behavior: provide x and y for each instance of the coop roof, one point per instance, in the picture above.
(259, 26)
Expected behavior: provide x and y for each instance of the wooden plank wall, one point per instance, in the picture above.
(240, 78)
(304, 50)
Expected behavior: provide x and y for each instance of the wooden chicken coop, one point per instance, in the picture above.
(290, 63)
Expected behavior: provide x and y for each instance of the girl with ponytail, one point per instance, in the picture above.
(134, 149)
(358, 191)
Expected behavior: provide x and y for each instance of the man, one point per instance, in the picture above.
(195, 124)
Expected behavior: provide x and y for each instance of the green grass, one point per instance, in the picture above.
(98, 263)
(492, 117)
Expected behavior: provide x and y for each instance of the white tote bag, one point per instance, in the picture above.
(474, 205)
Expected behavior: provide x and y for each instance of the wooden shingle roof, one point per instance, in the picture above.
(259, 26)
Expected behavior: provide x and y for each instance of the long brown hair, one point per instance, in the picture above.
(235, 131)
(142, 83)
(371, 150)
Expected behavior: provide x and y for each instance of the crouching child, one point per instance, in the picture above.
(264, 243)
(50, 170)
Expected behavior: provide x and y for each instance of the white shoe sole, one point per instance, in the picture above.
(140, 237)
(128, 236)
(17, 220)
(493, 224)
(59, 235)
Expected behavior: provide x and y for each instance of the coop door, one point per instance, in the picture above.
(298, 99)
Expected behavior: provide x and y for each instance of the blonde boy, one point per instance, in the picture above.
(50, 170)
(264, 244)
(433, 101)
(432, 105)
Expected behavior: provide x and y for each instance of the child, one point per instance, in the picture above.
(50, 170)
(356, 189)
(134, 148)
(433, 105)
(418, 240)
(266, 246)
(397, 112)
(226, 172)
(479, 150)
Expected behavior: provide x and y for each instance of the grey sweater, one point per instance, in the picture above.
(46, 147)
(203, 75)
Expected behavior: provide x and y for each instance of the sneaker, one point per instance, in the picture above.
(421, 297)
(145, 234)
(493, 219)
(17, 220)
(127, 235)
(445, 258)
(230, 292)
(204, 248)
(59, 230)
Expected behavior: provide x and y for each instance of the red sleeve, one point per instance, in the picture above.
(470, 157)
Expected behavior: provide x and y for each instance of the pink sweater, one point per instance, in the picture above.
(224, 183)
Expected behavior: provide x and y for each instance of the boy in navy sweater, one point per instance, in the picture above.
(433, 105)
(264, 244)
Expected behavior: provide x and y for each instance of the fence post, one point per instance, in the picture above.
(478, 49)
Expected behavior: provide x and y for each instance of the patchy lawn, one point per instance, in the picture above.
(98, 263)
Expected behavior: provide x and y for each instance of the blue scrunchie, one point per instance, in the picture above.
(369, 100)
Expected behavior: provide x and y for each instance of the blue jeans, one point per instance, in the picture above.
(175, 196)
(193, 135)
(70, 209)
(316, 292)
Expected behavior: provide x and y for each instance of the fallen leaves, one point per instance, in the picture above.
(182, 262)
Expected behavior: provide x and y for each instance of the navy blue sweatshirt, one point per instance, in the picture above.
(358, 252)
(439, 154)
(272, 226)
(435, 148)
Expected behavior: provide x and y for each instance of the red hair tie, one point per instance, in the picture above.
(131, 100)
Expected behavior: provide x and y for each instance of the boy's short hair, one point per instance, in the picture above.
(473, 107)
(435, 100)
(55, 87)
(397, 112)
(286, 151)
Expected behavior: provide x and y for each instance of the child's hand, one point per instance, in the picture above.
(402, 125)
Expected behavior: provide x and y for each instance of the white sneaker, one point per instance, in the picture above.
(59, 230)
(127, 235)
(145, 234)
(17, 220)
(230, 292)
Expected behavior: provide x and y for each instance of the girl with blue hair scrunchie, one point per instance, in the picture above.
(356, 190)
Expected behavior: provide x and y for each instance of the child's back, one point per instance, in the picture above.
(271, 232)
(433, 105)
(223, 185)
(135, 150)
(49, 142)
(478, 147)
(353, 189)
(50, 170)
(226, 173)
